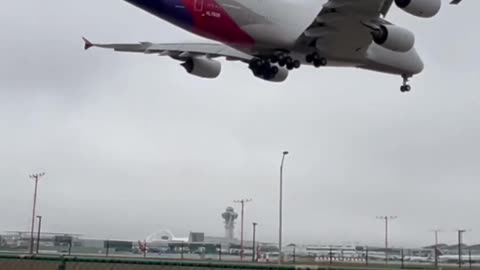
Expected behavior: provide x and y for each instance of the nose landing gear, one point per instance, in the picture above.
(405, 86)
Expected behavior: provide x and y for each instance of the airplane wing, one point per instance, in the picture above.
(365, 7)
(341, 26)
(178, 51)
(386, 7)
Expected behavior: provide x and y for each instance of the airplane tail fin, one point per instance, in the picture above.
(142, 246)
(88, 44)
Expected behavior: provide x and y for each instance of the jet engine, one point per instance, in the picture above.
(394, 38)
(203, 67)
(420, 8)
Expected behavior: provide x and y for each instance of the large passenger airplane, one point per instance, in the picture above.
(274, 37)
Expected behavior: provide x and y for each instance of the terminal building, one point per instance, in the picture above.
(160, 241)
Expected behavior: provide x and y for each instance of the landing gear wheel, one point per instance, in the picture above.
(296, 64)
(323, 61)
(289, 60)
(405, 86)
(309, 58)
(274, 59)
(320, 62)
(316, 60)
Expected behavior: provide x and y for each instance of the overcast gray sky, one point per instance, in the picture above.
(132, 144)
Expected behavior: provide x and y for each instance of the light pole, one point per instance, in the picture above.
(436, 231)
(242, 202)
(280, 254)
(460, 240)
(38, 234)
(35, 177)
(253, 245)
(386, 218)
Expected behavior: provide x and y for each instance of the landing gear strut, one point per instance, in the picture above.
(316, 60)
(405, 86)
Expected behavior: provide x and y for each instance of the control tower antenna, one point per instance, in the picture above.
(242, 202)
(229, 217)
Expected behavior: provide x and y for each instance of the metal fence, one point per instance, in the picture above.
(392, 259)
(15, 262)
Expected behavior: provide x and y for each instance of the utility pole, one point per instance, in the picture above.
(386, 219)
(38, 233)
(280, 228)
(242, 202)
(460, 240)
(253, 245)
(35, 177)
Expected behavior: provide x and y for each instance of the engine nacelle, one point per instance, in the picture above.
(203, 67)
(394, 38)
(420, 8)
(280, 76)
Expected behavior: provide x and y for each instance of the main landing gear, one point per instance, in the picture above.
(405, 86)
(267, 67)
(284, 60)
(263, 68)
(316, 60)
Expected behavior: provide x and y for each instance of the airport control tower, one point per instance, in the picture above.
(229, 217)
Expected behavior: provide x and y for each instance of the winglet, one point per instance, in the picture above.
(88, 44)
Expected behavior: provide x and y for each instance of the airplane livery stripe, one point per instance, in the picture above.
(203, 17)
(211, 20)
(173, 11)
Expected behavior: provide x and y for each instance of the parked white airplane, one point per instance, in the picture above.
(454, 258)
(419, 259)
(275, 36)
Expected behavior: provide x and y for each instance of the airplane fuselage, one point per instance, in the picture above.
(239, 23)
(256, 26)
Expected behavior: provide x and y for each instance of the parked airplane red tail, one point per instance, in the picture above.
(142, 246)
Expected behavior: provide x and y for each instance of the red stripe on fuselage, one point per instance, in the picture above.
(212, 21)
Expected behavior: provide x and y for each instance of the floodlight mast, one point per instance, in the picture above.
(386, 219)
(35, 177)
(242, 202)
